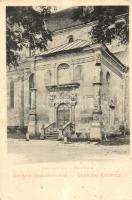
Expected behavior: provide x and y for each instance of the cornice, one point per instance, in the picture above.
(69, 61)
(108, 64)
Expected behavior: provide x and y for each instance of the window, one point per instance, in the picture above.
(48, 77)
(11, 94)
(70, 38)
(64, 74)
(31, 85)
(108, 77)
(108, 80)
(101, 77)
(78, 72)
(31, 81)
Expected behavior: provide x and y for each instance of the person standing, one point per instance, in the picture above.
(42, 132)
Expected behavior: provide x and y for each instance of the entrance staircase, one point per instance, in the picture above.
(52, 135)
(51, 132)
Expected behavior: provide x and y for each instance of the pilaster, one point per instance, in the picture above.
(21, 97)
(97, 113)
(32, 114)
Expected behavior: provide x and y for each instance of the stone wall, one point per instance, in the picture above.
(61, 37)
(19, 114)
(13, 113)
(84, 106)
(46, 74)
(112, 99)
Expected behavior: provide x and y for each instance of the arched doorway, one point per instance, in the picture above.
(63, 115)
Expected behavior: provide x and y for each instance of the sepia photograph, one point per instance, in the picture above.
(67, 83)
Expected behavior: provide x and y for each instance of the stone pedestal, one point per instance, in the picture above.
(95, 133)
(32, 115)
(32, 125)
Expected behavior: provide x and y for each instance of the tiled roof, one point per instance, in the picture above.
(77, 44)
(121, 57)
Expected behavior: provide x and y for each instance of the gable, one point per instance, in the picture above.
(113, 62)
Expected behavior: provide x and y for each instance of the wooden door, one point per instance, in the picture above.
(63, 114)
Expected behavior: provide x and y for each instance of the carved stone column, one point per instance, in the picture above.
(73, 104)
(96, 124)
(32, 114)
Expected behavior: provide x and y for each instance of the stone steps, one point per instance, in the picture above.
(52, 136)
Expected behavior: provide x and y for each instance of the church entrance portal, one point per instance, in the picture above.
(63, 115)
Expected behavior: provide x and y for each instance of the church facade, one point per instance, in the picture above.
(74, 82)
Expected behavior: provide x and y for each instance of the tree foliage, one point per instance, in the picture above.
(26, 27)
(107, 26)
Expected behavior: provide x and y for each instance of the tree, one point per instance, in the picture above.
(107, 25)
(25, 27)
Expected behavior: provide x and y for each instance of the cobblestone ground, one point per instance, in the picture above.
(37, 151)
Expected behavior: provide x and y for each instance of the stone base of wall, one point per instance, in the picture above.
(17, 129)
(16, 132)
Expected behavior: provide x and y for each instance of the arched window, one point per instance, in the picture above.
(64, 74)
(48, 77)
(11, 94)
(70, 38)
(31, 85)
(101, 77)
(108, 78)
(78, 73)
(31, 81)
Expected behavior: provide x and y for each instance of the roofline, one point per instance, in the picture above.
(103, 47)
(114, 58)
(75, 26)
(86, 24)
(59, 52)
(93, 47)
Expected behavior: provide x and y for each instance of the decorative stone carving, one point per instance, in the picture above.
(63, 66)
(62, 97)
(98, 57)
(112, 103)
(26, 75)
(74, 97)
(51, 98)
